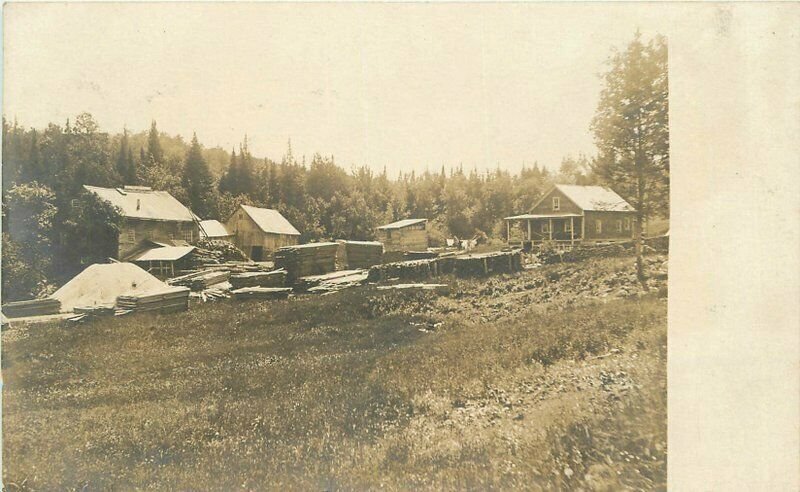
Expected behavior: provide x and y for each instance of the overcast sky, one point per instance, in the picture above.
(401, 85)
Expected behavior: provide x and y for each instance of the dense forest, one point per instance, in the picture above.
(44, 170)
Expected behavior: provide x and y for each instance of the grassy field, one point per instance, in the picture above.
(541, 380)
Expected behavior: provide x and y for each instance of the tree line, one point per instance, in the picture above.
(44, 171)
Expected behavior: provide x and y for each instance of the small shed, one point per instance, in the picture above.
(163, 261)
(214, 229)
(260, 231)
(404, 235)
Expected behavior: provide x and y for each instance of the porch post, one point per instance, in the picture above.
(583, 229)
(508, 231)
(550, 228)
(572, 231)
(529, 230)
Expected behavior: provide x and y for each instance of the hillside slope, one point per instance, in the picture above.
(552, 378)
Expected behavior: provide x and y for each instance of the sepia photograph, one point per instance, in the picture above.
(335, 246)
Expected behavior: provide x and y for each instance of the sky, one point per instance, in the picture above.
(405, 86)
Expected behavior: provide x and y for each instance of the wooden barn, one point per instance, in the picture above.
(570, 214)
(216, 230)
(260, 231)
(404, 235)
(149, 215)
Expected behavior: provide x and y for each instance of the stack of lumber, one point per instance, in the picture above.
(202, 280)
(306, 259)
(261, 293)
(169, 299)
(331, 282)
(412, 270)
(212, 294)
(275, 278)
(441, 289)
(420, 255)
(487, 263)
(361, 254)
(34, 307)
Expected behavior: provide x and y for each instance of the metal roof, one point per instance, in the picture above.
(541, 216)
(166, 253)
(269, 220)
(213, 228)
(595, 198)
(402, 223)
(143, 203)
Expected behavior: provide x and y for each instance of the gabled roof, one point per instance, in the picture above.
(213, 228)
(269, 220)
(595, 198)
(402, 223)
(165, 253)
(140, 202)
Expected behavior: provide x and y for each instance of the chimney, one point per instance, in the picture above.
(138, 204)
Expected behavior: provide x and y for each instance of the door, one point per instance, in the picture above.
(257, 253)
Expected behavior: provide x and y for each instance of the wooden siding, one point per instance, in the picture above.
(134, 231)
(411, 238)
(546, 205)
(247, 234)
(609, 230)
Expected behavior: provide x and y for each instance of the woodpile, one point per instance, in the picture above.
(34, 307)
(275, 278)
(488, 263)
(261, 293)
(360, 254)
(306, 259)
(167, 300)
(441, 289)
(331, 282)
(216, 251)
(406, 270)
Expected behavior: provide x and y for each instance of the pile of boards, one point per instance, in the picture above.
(166, 300)
(414, 269)
(274, 278)
(360, 254)
(462, 265)
(202, 280)
(33, 307)
(261, 293)
(331, 282)
(487, 263)
(306, 259)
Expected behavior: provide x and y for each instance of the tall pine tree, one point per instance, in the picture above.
(198, 182)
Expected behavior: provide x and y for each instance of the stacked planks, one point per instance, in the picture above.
(306, 259)
(414, 269)
(261, 293)
(275, 278)
(165, 300)
(420, 255)
(331, 282)
(362, 254)
(34, 307)
(488, 263)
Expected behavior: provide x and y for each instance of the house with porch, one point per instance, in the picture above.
(573, 214)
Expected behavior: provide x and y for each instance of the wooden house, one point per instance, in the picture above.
(260, 231)
(148, 215)
(404, 235)
(570, 214)
(215, 230)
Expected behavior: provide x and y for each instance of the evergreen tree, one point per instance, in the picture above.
(229, 183)
(198, 182)
(631, 130)
(155, 154)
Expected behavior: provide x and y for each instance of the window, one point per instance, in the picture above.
(546, 227)
(556, 204)
(598, 225)
(130, 235)
(619, 226)
(568, 226)
(627, 223)
(188, 236)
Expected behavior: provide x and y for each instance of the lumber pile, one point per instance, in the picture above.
(261, 293)
(420, 255)
(406, 270)
(202, 280)
(331, 282)
(275, 278)
(170, 299)
(487, 263)
(33, 307)
(360, 254)
(441, 289)
(306, 259)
